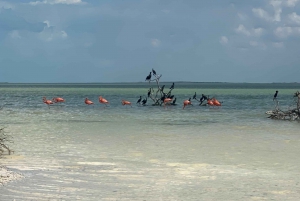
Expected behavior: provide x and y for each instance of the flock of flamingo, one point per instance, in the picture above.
(166, 102)
(166, 98)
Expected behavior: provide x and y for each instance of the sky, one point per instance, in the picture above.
(55, 41)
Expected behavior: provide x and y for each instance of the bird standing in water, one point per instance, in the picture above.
(48, 102)
(202, 99)
(174, 102)
(275, 95)
(144, 101)
(139, 101)
(88, 102)
(125, 102)
(103, 101)
(58, 100)
(194, 97)
(186, 103)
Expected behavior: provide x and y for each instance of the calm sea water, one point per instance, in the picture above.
(77, 152)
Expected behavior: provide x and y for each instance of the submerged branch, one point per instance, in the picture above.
(291, 114)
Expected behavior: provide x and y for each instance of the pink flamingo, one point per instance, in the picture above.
(103, 100)
(48, 102)
(58, 100)
(216, 102)
(88, 102)
(125, 102)
(210, 102)
(167, 101)
(186, 103)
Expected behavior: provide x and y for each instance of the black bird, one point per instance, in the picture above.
(194, 97)
(189, 99)
(144, 101)
(163, 97)
(153, 71)
(275, 95)
(174, 101)
(202, 98)
(139, 101)
(172, 86)
(148, 77)
(149, 92)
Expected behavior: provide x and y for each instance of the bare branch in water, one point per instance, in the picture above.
(5, 139)
(291, 114)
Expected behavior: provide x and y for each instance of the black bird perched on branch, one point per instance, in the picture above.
(163, 97)
(275, 95)
(194, 97)
(149, 92)
(148, 77)
(172, 86)
(153, 71)
(144, 101)
(162, 88)
(139, 101)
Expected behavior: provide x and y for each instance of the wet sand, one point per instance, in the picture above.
(7, 175)
(155, 169)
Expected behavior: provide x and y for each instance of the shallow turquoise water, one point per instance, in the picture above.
(74, 151)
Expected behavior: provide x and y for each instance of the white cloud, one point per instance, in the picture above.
(52, 2)
(253, 32)
(261, 13)
(15, 34)
(278, 44)
(155, 42)
(242, 29)
(50, 33)
(223, 40)
(284, 32)
(242, 16)
(6, 5)
(277, 5)
(258, 31)
(291, 3)
(293, 17)
(64, 34)
(256, 44)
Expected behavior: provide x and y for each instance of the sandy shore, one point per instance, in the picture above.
(7, 175)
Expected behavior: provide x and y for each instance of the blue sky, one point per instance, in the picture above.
(121, 41)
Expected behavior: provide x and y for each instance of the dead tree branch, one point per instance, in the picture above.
(5, 139)
(291, 114)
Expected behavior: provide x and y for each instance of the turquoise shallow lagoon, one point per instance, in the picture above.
(77, 152)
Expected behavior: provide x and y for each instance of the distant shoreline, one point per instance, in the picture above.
(178, 85)
(141, 82)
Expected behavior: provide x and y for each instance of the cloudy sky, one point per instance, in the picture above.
(122, 40)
